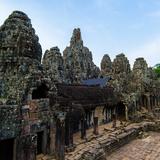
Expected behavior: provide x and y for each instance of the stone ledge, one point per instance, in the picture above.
(104, 145)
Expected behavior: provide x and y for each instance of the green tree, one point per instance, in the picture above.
(157, 70)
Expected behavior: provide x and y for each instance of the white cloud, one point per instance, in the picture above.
(150, 51)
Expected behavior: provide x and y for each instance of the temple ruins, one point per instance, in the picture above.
(46, 103)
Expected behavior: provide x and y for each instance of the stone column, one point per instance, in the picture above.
(158, 98)
(83, 128)
(69, 132)
(44, 146)
(126, 112)
(141, 102)
(153, 101)
(60, 138)
(92, 118)
(95, 131)
(52, 137)
(149, 104)
(157, 101)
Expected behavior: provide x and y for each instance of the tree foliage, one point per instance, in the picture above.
(157, 70)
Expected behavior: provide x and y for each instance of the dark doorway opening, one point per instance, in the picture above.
(40, 92)
(6, 149)
(120, 110)
(39, 142)
(76, 116)
(144, 101)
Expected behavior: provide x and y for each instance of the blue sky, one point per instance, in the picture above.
(107, 26)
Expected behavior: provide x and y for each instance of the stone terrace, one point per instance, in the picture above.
(147, 148)
(104, 144)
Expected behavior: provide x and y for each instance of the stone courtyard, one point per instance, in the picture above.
(147, 148)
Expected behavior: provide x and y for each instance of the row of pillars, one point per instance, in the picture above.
(63, 139)
(64, 130)
(148, 101)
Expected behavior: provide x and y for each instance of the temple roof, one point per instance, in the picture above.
(86, 95)
(102, 82)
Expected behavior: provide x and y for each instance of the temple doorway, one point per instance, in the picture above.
(6, 149)
(40, 92)
(40, 142)
(120, 110)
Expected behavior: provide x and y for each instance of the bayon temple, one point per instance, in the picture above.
(47, 102)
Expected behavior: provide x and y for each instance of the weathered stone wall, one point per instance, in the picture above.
(136, 88)
(20, 55)
(78, 61)
(53, 65)
(139, 74)
(18, 38)
(121, 73)
(106, 66)
(10, 121)
(21, 74)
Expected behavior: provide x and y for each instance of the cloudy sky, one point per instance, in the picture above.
(107, 26)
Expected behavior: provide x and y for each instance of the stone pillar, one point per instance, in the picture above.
(126, 112)
(114, 119)
(157, 101)
(149, 104)
(106, 112)
(95, 131)
(60, 138)
(153, 101)
(83, 128)
(110, 114)
(141, 102)
(92, 118)
(45, 137)
(69, 132)
(52, 138)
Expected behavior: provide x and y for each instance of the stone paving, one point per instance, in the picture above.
(139, 149)
(109, 140)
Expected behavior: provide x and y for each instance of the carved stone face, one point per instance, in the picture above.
(18, 38)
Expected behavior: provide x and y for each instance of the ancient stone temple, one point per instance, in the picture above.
(140, 70)
(24, 103)
(53, 65)
(20, 53)
(64, 107)
(78, 61)
(106, 66)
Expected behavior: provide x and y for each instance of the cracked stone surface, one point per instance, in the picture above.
(139, 149)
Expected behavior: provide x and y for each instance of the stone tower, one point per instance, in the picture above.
(53, 65)
(106, 66)
(20, 55)
(78, 62)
